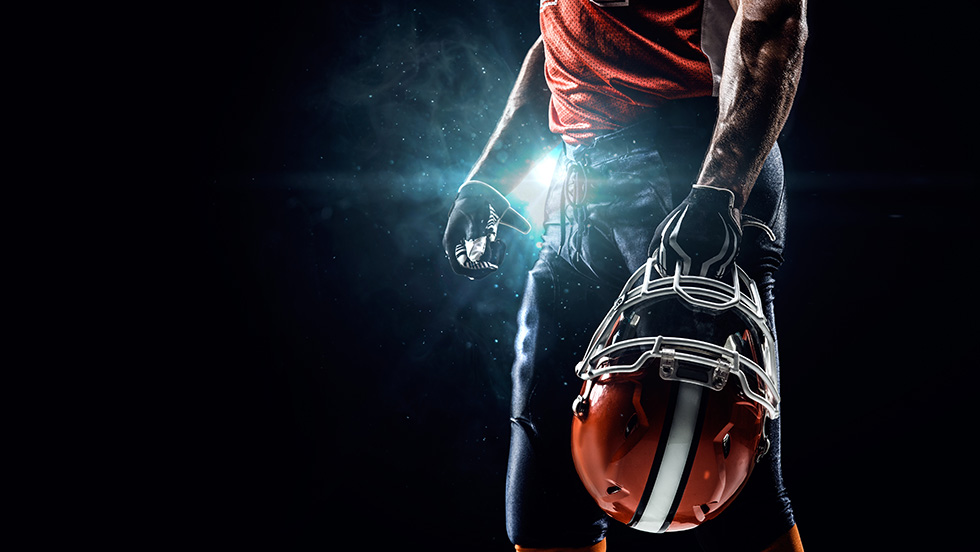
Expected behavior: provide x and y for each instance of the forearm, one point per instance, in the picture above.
(761, 73)
(521, 136)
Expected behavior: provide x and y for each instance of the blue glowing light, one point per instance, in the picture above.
(529, 195)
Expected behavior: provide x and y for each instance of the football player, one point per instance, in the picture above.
(667, 113)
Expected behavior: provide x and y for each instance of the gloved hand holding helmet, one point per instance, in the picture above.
(700, 237)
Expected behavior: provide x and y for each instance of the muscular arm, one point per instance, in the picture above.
(759, 81)
(522, 134)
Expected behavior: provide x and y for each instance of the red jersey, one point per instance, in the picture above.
(607, 65)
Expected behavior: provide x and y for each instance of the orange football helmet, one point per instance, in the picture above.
(679, 377)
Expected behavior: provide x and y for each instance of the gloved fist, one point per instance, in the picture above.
(470, 240)
(702, 234)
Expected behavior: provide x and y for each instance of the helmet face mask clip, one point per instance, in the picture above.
(678, 381)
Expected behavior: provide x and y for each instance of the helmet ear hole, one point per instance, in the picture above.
(613, 489)
(631, 424)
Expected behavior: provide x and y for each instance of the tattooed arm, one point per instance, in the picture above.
(762, 70)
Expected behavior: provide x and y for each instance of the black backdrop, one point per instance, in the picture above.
(346, 389)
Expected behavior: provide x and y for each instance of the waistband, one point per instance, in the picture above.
(692, 116)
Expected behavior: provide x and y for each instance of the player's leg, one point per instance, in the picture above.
(547, 506)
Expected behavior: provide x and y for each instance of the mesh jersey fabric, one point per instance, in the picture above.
(607, 66)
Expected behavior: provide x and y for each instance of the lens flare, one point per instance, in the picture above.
(529, 195)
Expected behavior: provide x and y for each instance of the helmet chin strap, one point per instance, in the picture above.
(763, 445)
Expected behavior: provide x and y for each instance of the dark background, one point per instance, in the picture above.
(345, 389)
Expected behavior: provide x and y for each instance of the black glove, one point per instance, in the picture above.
(470, 240)
(702, 234)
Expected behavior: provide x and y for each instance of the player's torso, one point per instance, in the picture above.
(608, 62)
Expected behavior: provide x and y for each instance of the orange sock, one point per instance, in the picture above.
(789, 542)
(597, 547)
